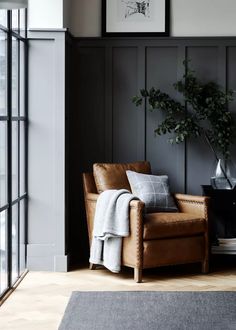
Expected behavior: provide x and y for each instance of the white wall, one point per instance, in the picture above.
(188, 18)
(46, 249)
(45, 14)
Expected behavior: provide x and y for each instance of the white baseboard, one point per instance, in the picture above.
(42, 257)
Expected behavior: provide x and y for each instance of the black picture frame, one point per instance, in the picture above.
(165, 33)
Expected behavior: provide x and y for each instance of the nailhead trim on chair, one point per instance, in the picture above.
(205, 203)
(139, 240)
(189, 201)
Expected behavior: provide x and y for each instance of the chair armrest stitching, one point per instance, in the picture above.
(190, 201)
(91, 200)
(206, 203)
(138, 235)
(183, 221)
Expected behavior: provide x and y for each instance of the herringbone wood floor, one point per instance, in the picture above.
(40, 300)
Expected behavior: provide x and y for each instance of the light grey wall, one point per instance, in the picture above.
(47, 14)
(203, 18)
(46, 247)
(188, 18)
(85, 18)
(53, 14)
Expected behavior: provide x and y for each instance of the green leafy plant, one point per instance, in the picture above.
(204, 112)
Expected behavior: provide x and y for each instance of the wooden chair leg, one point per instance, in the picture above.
(205, 267)
(92, 266)
(138, 275)
(205, 263)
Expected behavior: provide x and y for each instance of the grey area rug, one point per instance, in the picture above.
(150, 310)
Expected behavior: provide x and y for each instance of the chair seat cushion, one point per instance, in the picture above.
(163, 225)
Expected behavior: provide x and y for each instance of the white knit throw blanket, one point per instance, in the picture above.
(111, 223)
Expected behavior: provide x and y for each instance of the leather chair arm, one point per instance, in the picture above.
(137, 204)
(136, 211)
(133, 244)
(90, 206)
(136, 219)
(92, 197)
(191, 198)
(193, 204)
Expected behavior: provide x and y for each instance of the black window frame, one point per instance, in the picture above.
(9, 119)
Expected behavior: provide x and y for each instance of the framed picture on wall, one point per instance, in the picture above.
(134, 18)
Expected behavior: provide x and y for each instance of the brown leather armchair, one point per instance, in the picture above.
(156, 239)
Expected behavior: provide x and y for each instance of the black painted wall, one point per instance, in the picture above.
(106, 127)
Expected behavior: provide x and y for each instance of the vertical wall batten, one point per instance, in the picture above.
(181, 70)
(222, 67)
(200, 159)
(125, 114)
(141, 116)
(108, 105)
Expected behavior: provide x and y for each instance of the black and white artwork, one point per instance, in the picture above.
(135, 10)
(135, 17)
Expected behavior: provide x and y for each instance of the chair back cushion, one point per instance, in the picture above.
(113, 176)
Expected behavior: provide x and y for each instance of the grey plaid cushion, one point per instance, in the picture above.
(153, 190)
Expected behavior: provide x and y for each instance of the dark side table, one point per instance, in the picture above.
(222, 219)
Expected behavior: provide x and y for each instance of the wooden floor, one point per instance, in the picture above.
(40, 300)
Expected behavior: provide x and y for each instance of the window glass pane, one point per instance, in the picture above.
(22, 158)
(15, 20)
(3, 17)
(14, 237)
(14, 160)
(22, 23)
(22, 236)
(22, 78)
(14, 77)
(3, 73)
(3, 163)
(3, 252)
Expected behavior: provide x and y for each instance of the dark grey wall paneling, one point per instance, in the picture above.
(200, 160)
(231, 74)
(231, 83)
(91, 105)
(115, 69)
(162, 72)
(108, 104)
(125, 128)
(106, 127)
